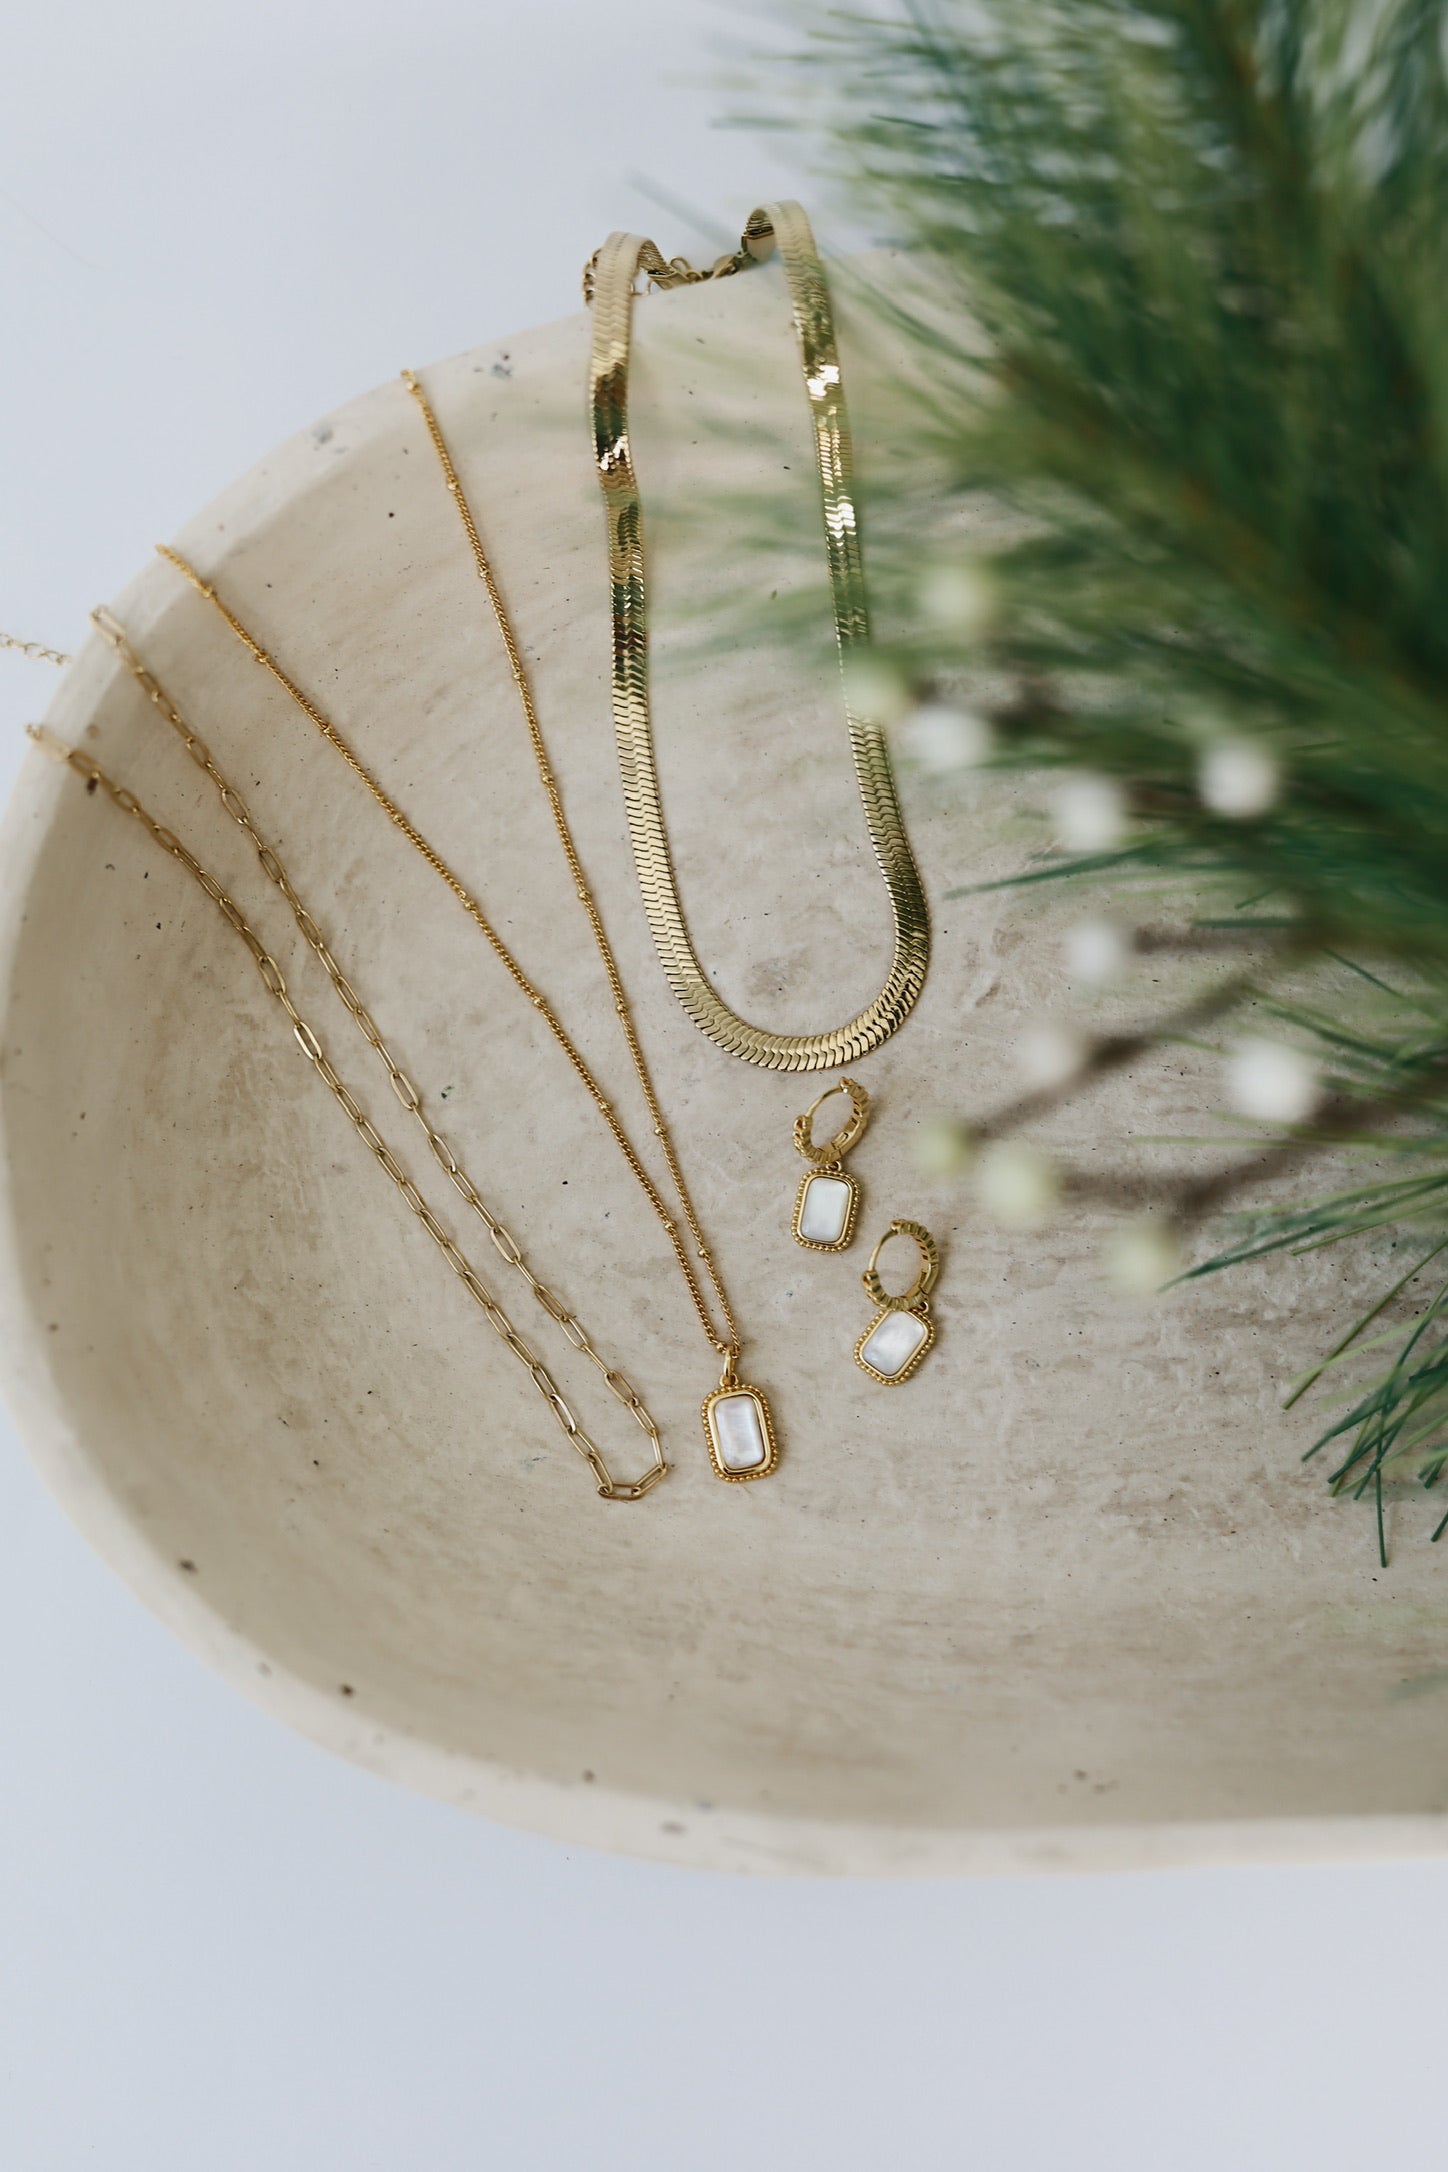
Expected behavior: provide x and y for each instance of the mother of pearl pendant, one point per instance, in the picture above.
(902, 1330)
(825, 1210)
(894, 1343)
(740, 1433)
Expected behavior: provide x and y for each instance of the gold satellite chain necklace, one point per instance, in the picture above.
(738, 1425)
(407, 1094)
(608, 285)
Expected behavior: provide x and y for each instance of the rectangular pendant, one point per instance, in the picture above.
(740, 1434)
(893, 1345)
(824, 1211)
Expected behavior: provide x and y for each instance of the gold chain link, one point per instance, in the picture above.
(576, 874)
(674, 271)
(609, 285)
(36, 650)
(727, 1344)
(407, 1094)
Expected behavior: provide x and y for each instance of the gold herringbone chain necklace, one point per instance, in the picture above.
(608, 285)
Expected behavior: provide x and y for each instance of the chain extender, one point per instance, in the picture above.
(35, 650)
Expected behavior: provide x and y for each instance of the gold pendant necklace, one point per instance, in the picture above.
(609, 285)
(307, 1040)
(738, 1426)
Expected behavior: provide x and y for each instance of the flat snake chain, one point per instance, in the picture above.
(609, 1488)
(609, 286)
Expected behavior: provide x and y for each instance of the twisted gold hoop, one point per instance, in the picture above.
(609, 285)
(852, 1132)
(913, 1299)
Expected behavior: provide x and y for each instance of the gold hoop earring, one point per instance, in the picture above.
(902, 1330)
(828, 1201)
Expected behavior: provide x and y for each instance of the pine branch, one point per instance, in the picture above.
(1187, 353)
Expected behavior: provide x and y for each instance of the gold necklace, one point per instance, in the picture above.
(608, 283)
(307, 1040)
(738, 1424)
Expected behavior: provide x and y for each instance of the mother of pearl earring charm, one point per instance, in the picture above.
(828, 1200)
(902, 1330)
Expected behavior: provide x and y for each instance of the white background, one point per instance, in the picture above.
(220, 1951)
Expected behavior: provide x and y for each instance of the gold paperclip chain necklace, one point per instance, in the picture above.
(407, 1094)
(726, 1342)
(608, 283)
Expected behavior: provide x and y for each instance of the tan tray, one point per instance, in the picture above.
(1067, 1597)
